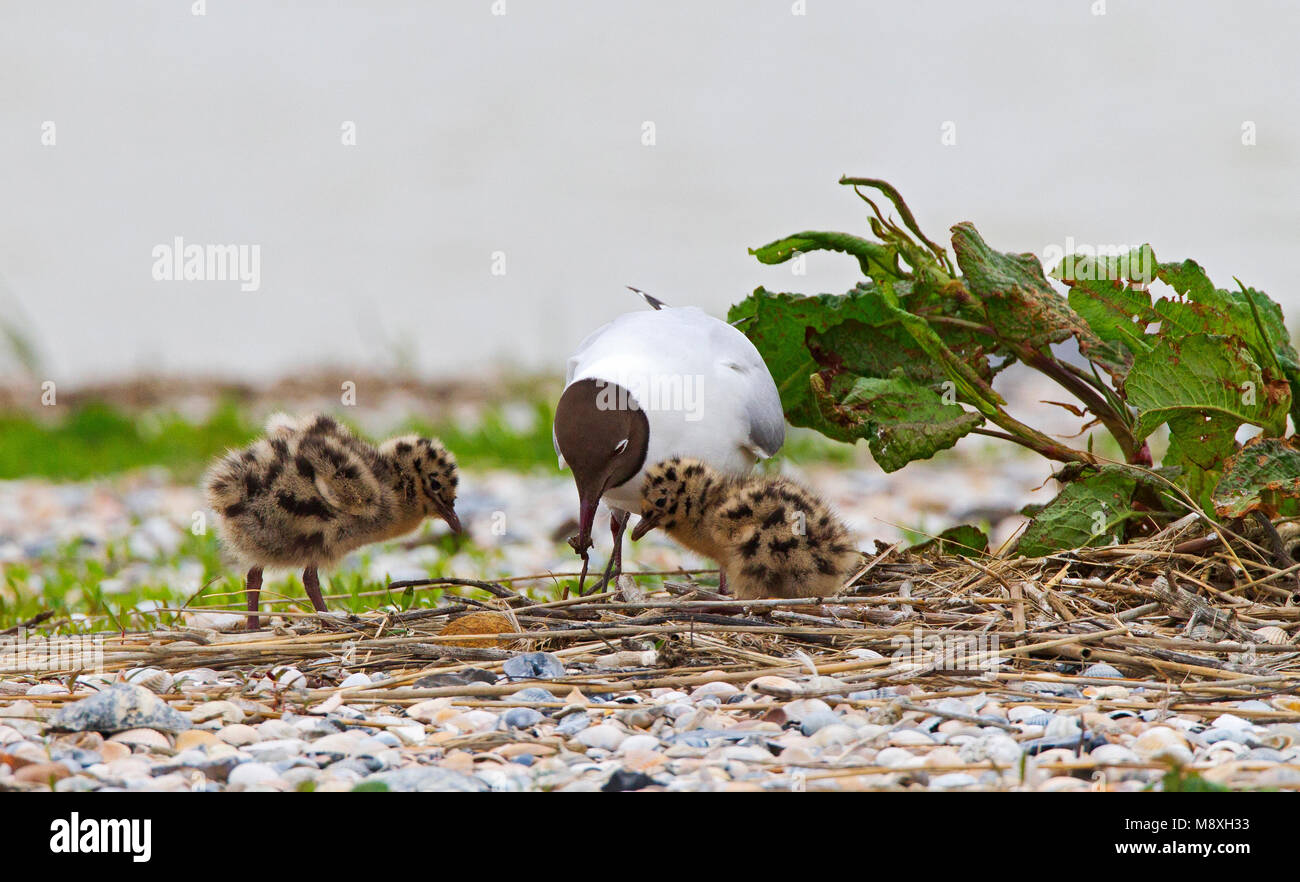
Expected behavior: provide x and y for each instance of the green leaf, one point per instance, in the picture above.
(790, 331)
(874, 258)
(965, 540)
(1262, 472)
(901, 420)
(1205, 386)
(1116, 311)
(778, 325)
(1019, 304)
(1090, 511)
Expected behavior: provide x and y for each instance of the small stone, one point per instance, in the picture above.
(1162, 743)
(574, 723)
(953, 779)
(521, 718)
(427, 711)
(636, 743)
(151, 739)
(603, 736)
(239, 734)
(835, 734)
(357, 679)
(624, 780)
(898, 758)
(1229, 721)
(117, 709)
(814, 722)
(533, 666)
(1062, 727)
(225, 711)
(719, 688)
(909, 738)
(251, 775)
(1112, 754)
(47, 689)
(42, 773)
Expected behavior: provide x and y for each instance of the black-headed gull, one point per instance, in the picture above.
(654, 384)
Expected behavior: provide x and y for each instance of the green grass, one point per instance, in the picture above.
(96, 439)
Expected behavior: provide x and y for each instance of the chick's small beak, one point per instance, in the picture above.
(448, 514)
(645, 525)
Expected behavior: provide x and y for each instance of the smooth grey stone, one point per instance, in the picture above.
(818, 720)
(117, 709)
(574, 723)
(533, 666)
(521, 718)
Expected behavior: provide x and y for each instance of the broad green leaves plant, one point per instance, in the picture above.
(907, 360)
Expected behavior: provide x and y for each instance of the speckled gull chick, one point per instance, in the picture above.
(651, 385)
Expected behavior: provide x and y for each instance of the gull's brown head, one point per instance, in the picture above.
(603, 435)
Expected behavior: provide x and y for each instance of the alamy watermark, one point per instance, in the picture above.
(179, 262)
(34, 653)
(1096, 262)
(676, 393)
(948, 652)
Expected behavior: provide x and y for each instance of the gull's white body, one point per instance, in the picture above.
(716, 398)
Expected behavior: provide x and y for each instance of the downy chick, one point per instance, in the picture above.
(310, 492)
(770, 536)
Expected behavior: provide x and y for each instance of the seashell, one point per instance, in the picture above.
(1273, 635)
(897, 758)
(604, 736)
(156, 681)
(1062, 727)
(1102, 671)
(909, 738)
(1106, 693)
(1022, 713)
(834, 735)
(480, 623)
(1112, 754)
(1162, 743)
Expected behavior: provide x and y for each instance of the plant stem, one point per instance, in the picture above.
(1083, 391)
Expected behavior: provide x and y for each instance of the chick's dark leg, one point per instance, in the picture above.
(617, 525)
(312, 584)
(252, 592)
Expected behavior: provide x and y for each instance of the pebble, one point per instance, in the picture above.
(604, 736)
(1162, 743)
(533, 666)
(521, 718)
(251, 775)
(132, 735)
(121, 707)
(238, 734)
(150, 739)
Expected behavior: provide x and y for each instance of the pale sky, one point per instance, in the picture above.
(523, 134)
